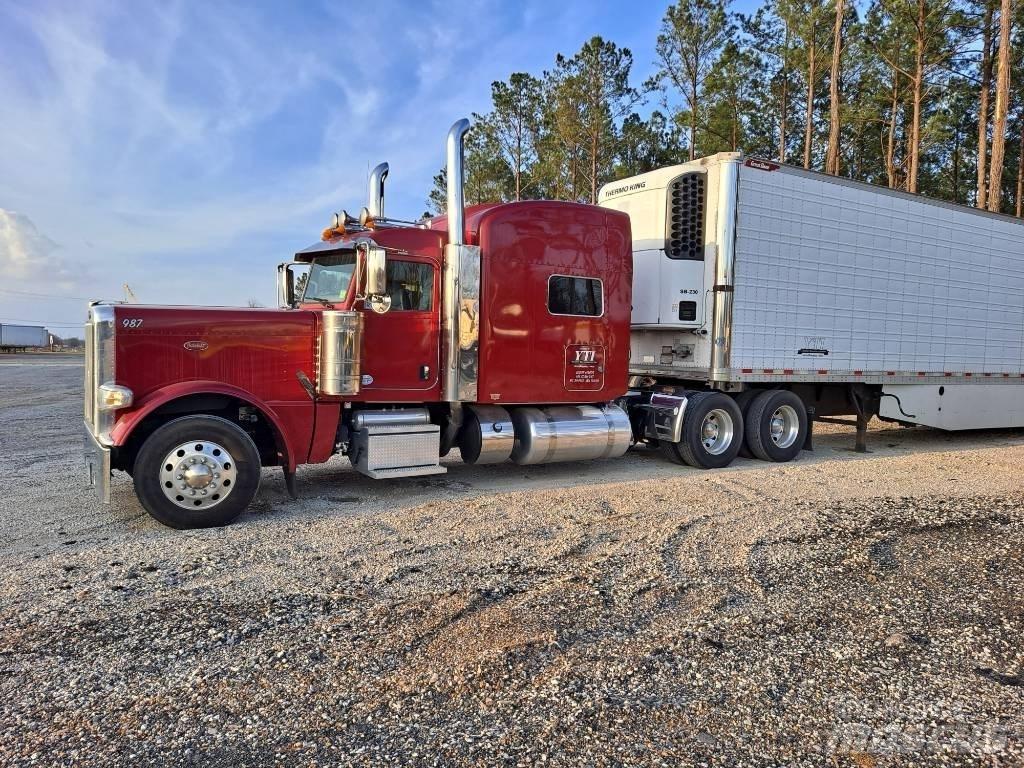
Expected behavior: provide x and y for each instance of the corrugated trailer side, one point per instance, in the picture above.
(818, 297)
(22, 336)
(838, 280)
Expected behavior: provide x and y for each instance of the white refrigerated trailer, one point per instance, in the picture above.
(808, 296)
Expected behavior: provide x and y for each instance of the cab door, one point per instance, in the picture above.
(401, 347)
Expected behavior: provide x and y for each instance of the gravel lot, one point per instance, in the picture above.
(861, 610)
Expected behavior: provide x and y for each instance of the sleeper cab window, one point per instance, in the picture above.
(581, 296)
(410, 285)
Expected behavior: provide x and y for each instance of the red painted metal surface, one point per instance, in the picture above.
(398, 344)
(523, 345)
(291, 421)
(325, 432)
(167, 352)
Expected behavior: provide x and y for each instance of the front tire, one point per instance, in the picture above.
(197, 472)
(712, 431)
(776, 425)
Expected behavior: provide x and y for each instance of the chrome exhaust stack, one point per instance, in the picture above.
(460, 321)
(456, 197)
(375, 201)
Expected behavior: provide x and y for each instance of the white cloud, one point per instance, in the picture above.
(150, 138)
(23, 248)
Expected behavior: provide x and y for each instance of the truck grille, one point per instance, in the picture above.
(685, 236)
(99, 367)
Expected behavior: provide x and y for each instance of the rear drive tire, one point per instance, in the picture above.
(776, 425)
(712, 431)
(197, 472)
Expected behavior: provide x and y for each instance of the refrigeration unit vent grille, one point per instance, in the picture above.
(685, 237)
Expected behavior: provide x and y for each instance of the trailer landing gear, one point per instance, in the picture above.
(860, 444)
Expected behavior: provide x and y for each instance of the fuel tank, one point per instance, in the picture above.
(569, 433)
(487, 435)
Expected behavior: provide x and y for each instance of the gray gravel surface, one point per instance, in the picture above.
(841, 610)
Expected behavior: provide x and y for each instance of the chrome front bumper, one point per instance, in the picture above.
(97, 466)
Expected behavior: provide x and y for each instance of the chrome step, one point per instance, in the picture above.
(381, 474)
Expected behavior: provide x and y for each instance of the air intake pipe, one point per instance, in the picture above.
(460, 320)
(375, 203)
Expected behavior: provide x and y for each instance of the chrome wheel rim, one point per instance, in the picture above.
(198, 475)
(784, 426)
(716, 431)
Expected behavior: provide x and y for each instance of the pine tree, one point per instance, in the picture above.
(487, 178)
(516, 122)
(1002, 108)
(588, 94)
(905, 101)
(730, 94)
(693, 35)
(985, 94)
(645, 145)
(810, 31)
(832, 159)
(1020, 170)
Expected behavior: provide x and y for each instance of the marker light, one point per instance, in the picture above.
(337, 228)
(365, 219)
(111, 397)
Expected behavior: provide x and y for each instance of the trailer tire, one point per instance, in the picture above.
(197, 472)
(712, 432)
(776, 425)
(743, 400)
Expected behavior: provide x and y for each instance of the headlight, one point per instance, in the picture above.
(112, 396)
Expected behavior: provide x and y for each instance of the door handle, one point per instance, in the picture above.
(424, 372)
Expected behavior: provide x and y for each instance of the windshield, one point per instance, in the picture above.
(329, 278)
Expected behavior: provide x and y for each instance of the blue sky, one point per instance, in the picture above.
(188, 148)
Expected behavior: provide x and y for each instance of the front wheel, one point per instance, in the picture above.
(712, 431)
(197, 472)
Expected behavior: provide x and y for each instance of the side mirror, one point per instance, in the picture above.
(285, 286)
(376, 279)
(287, 289)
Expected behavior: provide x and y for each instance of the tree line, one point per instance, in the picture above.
(921, 95)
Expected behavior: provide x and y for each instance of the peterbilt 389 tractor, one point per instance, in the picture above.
(708, 309)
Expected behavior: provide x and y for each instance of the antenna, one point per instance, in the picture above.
(129, 295)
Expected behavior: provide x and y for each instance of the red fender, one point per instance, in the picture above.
(293, 443)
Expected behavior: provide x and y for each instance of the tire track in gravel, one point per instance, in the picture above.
(672, 548)
(879, 536)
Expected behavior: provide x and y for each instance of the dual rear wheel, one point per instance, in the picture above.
(776, 425)
(766, 424)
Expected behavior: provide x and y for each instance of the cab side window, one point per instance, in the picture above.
(581, 296)
(410, 285)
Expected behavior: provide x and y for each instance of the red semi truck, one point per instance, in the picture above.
(505, 331)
